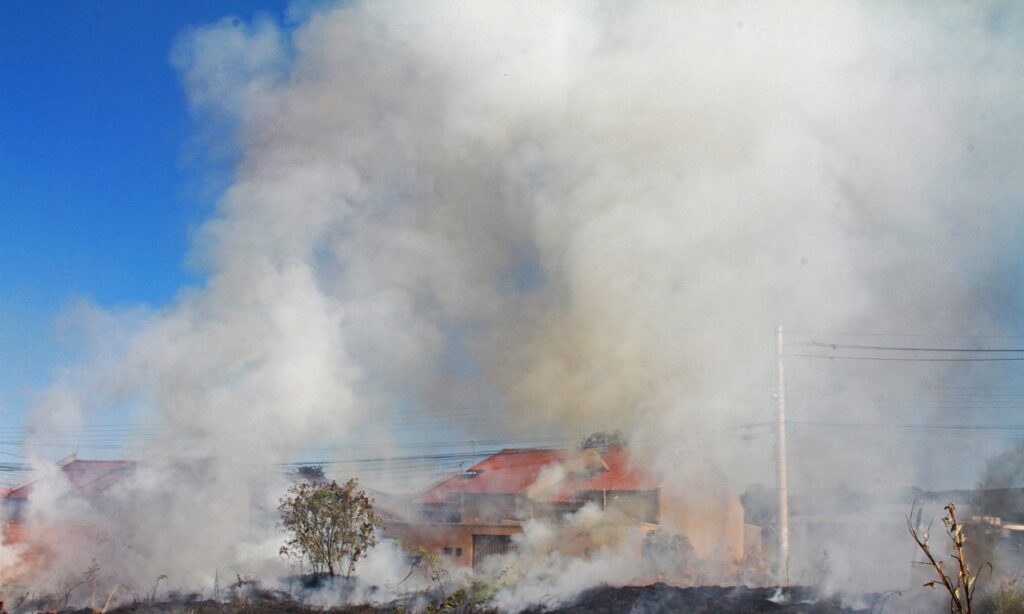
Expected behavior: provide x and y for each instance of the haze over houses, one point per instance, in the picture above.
(591, 499)
(595, 497)
(72, 479)
(479, 512)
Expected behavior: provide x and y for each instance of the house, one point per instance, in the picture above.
(469, 516)
(587, 499)
(72, 478)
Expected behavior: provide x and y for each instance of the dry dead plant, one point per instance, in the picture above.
(110, 597)
(88, 577)
(431, 565)
(156, 586)
(961, 584)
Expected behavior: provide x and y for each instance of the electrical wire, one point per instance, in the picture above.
(850, 346)
(917, 335)
(903, 358)
(910, 425)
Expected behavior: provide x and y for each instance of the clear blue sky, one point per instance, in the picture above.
(97, 194)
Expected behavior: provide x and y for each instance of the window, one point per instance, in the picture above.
(447, 550)
(491, 545)
(458, 552)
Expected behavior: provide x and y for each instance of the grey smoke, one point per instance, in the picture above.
(590, 214)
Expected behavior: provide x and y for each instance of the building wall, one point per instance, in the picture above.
(753, 541)
(633, 507)
(566, 540)
(37, 544)
(438, 536)
(483, 508)
(711, 518)
(478, 508)
(710, 515)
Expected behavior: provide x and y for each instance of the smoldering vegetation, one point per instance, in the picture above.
(588, 215)
(651, 599)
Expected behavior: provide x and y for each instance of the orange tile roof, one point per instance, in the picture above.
(621, 475)
(87, 476)
(510, 471)
(513, 471)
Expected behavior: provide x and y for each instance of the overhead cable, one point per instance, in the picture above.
(903, 358)
(849, 346)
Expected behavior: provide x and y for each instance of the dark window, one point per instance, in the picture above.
(491, 545)
(458, 552)
(447, 550)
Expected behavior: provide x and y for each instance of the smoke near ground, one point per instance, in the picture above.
(591, 215)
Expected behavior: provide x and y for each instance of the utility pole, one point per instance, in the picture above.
(781, 478)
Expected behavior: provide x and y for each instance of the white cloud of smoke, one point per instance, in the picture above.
(595, 213)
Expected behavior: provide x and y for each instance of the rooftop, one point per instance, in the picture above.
(547, 475)
(89, 477)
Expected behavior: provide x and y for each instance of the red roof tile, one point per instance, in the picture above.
(510, 471)
(622, 475)
(513, 471)
(89, 477)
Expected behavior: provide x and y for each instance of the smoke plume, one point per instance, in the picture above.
(590, 215)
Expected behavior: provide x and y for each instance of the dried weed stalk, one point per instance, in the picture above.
(961, 584)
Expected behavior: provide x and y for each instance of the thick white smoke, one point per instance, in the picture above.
(591, 214)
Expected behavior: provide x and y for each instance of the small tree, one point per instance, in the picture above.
(602, 440)
(432, 566)
(760, 506)
(310, 473)
(668, 553)
(329, 525)
(962, 582)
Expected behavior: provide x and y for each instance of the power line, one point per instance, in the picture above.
(904, 358)
(848, 346)
(911, 425)
(918, 335)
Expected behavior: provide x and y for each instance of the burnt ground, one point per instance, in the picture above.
(259, 605)
(658, 598)
(249, 607)
(653, 599)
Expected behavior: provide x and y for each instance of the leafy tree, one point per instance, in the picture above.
(602, 440)
(432, 565)
(310, 473)
(329, 525)
(760, 507)
(667, 552)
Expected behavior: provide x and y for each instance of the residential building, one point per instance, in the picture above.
(469, 516)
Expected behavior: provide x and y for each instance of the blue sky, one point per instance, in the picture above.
(100, 185)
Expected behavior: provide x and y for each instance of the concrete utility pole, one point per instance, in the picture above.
(781, 478)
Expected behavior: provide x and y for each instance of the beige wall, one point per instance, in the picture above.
(710, 516)
(753, 541)
(437, 536)
(633, 507)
